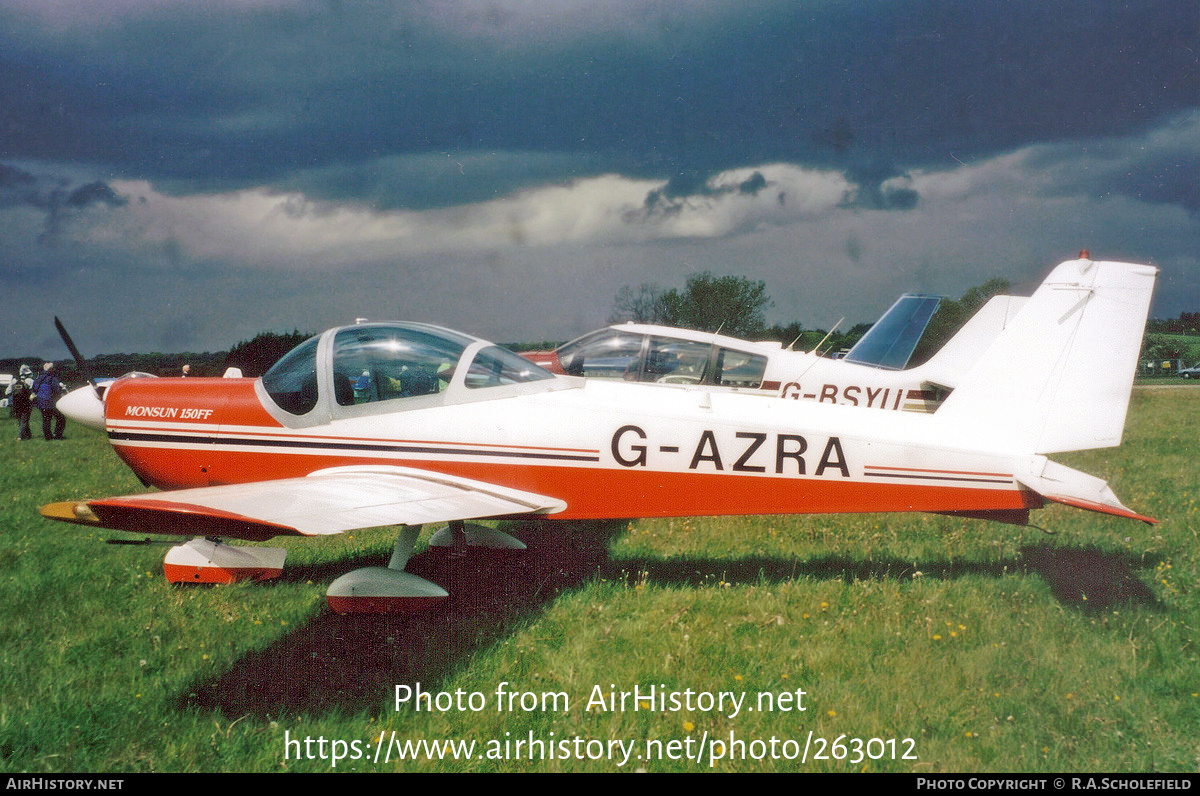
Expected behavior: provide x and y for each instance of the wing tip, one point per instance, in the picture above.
(152, 514)
(76, 511)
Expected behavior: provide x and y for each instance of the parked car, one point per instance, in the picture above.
(1190, 373)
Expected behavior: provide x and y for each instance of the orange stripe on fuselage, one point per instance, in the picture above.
(595, 492)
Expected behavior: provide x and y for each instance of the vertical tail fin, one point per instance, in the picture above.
(1058, 377)
(890, 342)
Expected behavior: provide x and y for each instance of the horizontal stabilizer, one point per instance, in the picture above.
(1061, 484)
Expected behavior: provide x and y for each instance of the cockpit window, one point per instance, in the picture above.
(605, 354)
(672, 361)
(739, 369)
(292, 381)
(379, 363)
(494, 366)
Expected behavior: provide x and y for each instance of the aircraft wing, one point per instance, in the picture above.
(325, 502)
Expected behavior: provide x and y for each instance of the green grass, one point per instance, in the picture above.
(994, 648)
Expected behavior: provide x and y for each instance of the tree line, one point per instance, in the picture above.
(253, 357)
(736, 306)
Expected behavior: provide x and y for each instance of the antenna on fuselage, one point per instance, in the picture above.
(826, 337)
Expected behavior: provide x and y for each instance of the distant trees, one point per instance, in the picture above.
(256, 356)
(110, 365)
(735, 305)
(1186, 323)
(160, 364)
(1161, 348)
(643, 305)
(798, 338)
(732, 304)
(1173, 339)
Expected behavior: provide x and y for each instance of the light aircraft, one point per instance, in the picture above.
(380, 424)
(872, 374)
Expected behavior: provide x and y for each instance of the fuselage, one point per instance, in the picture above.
(608, 449)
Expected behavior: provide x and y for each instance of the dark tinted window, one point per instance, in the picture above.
(606, 354)
(292, 381)
(673, 361)
(739, 369)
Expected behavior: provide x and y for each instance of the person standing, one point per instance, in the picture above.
(46, 389)
(21, 401)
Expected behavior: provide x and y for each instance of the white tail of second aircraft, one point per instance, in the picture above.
(1058, 377)
(954, 359)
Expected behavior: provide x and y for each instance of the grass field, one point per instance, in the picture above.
(991, 647)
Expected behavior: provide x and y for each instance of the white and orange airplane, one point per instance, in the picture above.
(381, 424)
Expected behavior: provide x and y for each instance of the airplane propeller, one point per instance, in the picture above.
(80, 363)
(84, 405)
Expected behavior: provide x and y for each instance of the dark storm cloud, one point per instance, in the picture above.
(17, 187)
(94, 193)
(62, 206)
(689, 185)
(876, 187)
(1159, 168)
(1172, 182)
(174, 154)
(427, 181)
(226, 97)
(54, 197)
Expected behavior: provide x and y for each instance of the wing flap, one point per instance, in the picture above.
(325, 502)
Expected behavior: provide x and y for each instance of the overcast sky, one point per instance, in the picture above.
(183, 175)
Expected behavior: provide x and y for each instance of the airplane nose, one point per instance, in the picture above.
(84, 407)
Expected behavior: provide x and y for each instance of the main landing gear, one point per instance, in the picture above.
(390, 589)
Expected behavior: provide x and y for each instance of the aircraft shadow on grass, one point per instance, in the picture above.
(353, 662)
